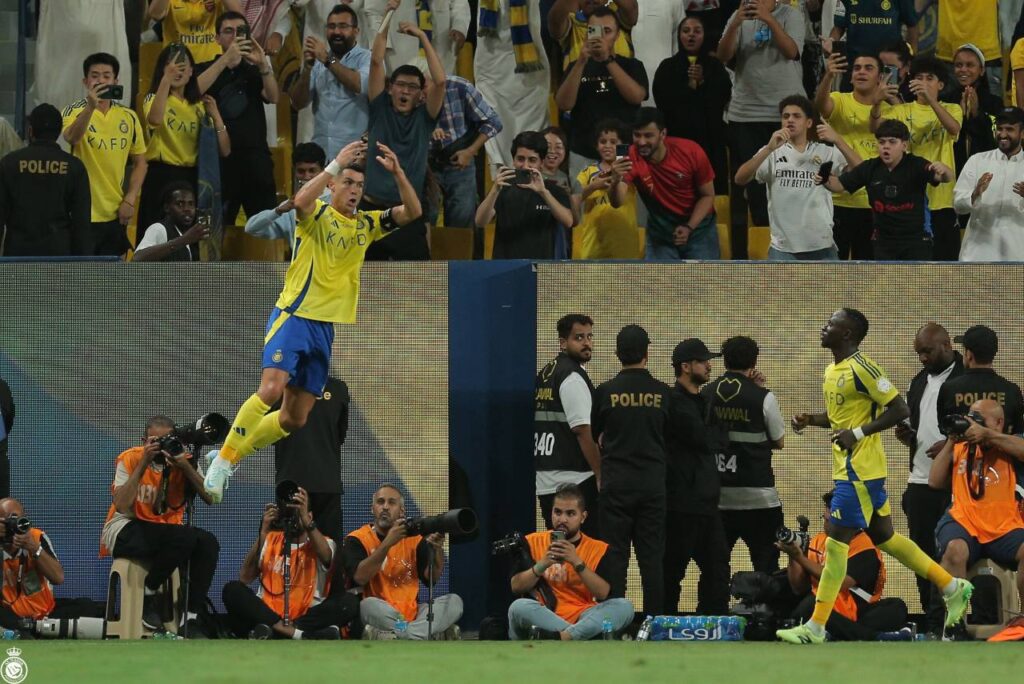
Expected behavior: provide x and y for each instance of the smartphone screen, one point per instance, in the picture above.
(839, 47)
(622, 150)
(523, 177)
(892, 74)
(114, 92)
(557, 535)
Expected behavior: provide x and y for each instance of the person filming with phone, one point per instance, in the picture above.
(574, 566)
(530, 213)
(175, 237)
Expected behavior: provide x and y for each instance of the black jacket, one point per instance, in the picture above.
(692, 441)
(920, 381)
(45, 202)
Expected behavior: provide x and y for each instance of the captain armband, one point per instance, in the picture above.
(388, 222)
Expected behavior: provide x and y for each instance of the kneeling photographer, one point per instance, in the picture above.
(30, 568)
(292, 560)
(860, 614)
(582, 603)
(153, 485)
(388, 559)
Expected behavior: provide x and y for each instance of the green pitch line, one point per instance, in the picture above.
(155, 662)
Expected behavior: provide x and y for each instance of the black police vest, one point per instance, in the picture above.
(555, 447)
(737, 403)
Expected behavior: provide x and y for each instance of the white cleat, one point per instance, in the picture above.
(217, 476)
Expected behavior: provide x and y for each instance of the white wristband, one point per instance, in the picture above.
(858, 432)
(334, 168)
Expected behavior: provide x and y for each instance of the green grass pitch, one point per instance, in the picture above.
(155, 662)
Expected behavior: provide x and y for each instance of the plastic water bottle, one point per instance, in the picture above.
(11, 634)
(401, 628)
(644, 633)
(607, 630)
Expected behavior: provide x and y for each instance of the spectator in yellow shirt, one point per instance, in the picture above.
(605, 232)
(191, 23)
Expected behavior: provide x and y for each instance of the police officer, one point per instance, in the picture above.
(564, 450)
(629, 421)
(44, 194)
(753, 425)
(980, 381)
(693, 527)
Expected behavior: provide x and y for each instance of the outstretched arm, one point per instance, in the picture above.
(409, 210)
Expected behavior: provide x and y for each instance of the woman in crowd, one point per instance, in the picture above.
(553, 165)
(692, 89)
(174, 111)
(979, 104)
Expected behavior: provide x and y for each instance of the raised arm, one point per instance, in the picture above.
(560, 18)
(435, 95)
(378, 70)
(409, 210)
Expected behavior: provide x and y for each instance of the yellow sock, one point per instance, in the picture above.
(910, 555)
(832, 575)
(266, 433)
(249, 415)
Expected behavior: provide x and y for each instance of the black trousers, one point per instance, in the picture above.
(885, 615)
(638, 518)
(246, 610)
(757, 530)
(745, 139)
(5, 471)
(408, 243)
(915, 250)
(592, 526)
(167, 547)
(109, 239)
(923, 507)
(851, 230)
(326, 510)
(247, 180)
(151, 200)
(946, 234)
(700, 538)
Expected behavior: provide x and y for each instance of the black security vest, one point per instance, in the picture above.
(555, 447)
(737, 403)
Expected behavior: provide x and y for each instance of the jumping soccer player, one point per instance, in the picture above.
(856, 390)
(321, 288)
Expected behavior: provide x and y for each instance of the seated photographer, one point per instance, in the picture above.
(147, 519)
(389, 565)
(573, 566)
(30, 568)
(311, 614)
(860, 614)
(977, 463)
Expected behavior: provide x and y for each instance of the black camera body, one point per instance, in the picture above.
(513, 543)
(13, 525)
(800, 537)
(954, 424)
(287, 514)
(208, 429)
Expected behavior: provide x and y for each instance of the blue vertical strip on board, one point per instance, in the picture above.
(492, 323)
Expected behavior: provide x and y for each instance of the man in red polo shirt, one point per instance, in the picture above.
(676, 183)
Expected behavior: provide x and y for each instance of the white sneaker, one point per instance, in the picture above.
(217, 475)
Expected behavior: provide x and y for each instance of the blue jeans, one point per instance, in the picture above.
(458, 186)
(702, 245)
(524, 613)
(827, 254)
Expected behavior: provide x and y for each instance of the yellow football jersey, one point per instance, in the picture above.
(856, 392)
(322, 281)
(852, 120)
(176, 142)
(606, 232)
(187, 22)
(104, 149)
(930, 139)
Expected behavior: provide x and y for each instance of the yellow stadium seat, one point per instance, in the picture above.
(759, 238)
(724, 241)
(282, 158)
(240, 246)
(451, 244)
(148, 53)
(642, 235)
(464, 63)
(488, 240)
(722, 213)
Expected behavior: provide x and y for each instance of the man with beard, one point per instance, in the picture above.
(990, 189)
(389, 565)
(564, 450)
(574, 566)
(860, 403)
(335, 80)
(676, 183)
(923, 505)
(177, 236)
(693, 526)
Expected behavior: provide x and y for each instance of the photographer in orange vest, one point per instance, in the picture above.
(30, 568)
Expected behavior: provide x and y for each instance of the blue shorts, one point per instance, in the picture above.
(1002, 550)
(856, 502)
(301, 347)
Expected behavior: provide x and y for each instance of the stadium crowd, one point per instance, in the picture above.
(665, 129)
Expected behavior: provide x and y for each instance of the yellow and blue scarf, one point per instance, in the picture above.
(525, 49)
(425, 21)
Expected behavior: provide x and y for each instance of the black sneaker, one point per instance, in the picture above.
(151, 613)
(330, 633)
(261, 632)
(538, 634)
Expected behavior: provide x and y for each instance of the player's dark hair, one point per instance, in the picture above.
(827, 497)
(228, 16)
(531, 140)
(797, 101)
(173, 187)
(890, 128)
(101, 58)
(928, 65)
(739, 353)
(159, 420)
(900, 49)
(345, 9)
(860, 323)
(408, 70)
(566, 322)
(571, 491)
(357, 167)
(309, 153)
(649, 115)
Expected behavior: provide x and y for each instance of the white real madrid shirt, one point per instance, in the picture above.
(799, 212)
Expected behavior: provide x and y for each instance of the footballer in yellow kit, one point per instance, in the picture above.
(321, 288)
(860, 402)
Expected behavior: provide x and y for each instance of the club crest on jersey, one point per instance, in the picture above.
(884, 385)
(278, 356)
(123, 127)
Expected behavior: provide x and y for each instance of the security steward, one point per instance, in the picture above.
(629, 422)
(753, 426)
(980, 381)
(693, 526)
(44, 194)
(564, 450)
